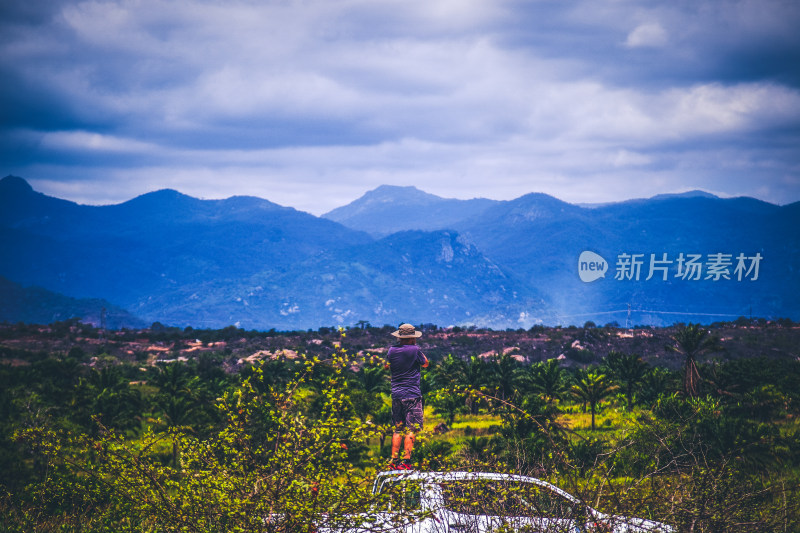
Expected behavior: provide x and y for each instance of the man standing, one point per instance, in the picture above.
(404, 363)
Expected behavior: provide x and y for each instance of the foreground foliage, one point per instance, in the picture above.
(270, 467)
(291, 444)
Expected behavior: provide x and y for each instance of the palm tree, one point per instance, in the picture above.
(628, 369)
(479, 374)
(365, 391)
(470, 375)
(107, 394)
(592, 389)
(451, 372)
(448, 403)
(656, 381)
(692, 341)
(546, 379)
(504, 370)
(373, 379)
(177, 398)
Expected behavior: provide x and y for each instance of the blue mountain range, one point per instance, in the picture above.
(399, 254)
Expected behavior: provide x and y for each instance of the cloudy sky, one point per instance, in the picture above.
(311, 103)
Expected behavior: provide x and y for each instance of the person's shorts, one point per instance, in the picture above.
(407, 413)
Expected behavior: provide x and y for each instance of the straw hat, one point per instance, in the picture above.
(407, 331)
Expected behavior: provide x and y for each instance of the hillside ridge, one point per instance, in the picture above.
(166, 256)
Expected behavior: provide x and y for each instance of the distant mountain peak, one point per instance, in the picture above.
(14, 184)
(163, 193)
(398, 194)
(540, 197)
(385, 187)
(380, 196)
(695, 193)
(160, 199)
(390, 208)
(535, 206)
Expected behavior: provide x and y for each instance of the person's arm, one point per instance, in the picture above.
(425, 361)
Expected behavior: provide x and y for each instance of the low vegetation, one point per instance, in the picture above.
(169, 429)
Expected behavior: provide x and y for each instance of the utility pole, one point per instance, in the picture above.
(103, 322)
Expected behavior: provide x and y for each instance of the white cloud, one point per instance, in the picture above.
(318, 179)
(310, 104)
(716, 108)
(627, 158)
(84, 141)
(647, 35)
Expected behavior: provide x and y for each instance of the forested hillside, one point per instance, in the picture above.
(183, 261)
